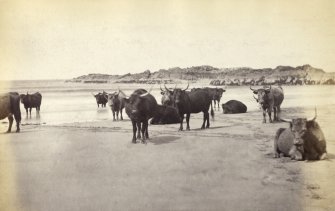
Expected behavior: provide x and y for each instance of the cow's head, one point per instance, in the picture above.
(166, 96)
(24, 98)
(262, 95)
(134, 102)
(299, 127)
(226, 109)
(219, 92)
(178, 95)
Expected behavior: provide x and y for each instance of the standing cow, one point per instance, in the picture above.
(191, 102)
(270, 100)
(101, 98)
(116, 103)
(9, 106)
(303, 140)
(31, 101)
(214, 93)
(140, 106)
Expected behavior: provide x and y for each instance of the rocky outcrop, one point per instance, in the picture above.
(299, 75)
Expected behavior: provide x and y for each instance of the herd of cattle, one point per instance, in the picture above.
(304, 138)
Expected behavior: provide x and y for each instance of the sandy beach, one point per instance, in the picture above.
(94, 166)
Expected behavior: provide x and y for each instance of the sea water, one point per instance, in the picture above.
(64, 102)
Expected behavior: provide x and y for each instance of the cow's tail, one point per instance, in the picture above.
(212, 111)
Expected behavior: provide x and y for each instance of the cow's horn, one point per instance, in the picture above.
(145, 94)
(252, 89)
(255, 98)
(286, 120)
(161, 88)
(187, 86)
(166, 88)
(314, 118)
(91, 93)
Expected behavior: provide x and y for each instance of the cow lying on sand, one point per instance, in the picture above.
(165, 115)
(234, 107)
(9, 106)
(303, 140)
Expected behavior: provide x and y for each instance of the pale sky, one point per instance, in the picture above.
(64, 39)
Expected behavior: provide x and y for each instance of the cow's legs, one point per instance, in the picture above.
(181, 122)
(188, 121)
(134, 131)
(113, 115)
(264, 115)
(204, 120)
(207, 117)
(269, 113)
(274, 114)
(145, 134)
(121, 114)
(26, 112)
(138, 130)
(117, 115)
(11, 119)
(30, 112)
(278, 113)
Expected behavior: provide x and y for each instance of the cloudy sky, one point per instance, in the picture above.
(64, 39)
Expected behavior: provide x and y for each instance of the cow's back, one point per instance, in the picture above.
(278, 95)
(236, 106)
(200, 100)
(4, 105)
(314, 141)
(285, 141)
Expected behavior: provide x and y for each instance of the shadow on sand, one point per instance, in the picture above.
(163, 139)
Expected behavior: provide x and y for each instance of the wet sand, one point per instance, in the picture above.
(93, 166)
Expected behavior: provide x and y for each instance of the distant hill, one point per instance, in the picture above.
(239, 74)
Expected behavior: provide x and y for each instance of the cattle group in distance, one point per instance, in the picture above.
(302, 140)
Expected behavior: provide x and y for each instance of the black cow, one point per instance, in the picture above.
(101, 98)
(31, 101)
(270, 99)
(214, 93)
(117, 104)
(303, 140)
(9, 106)
(191, 102)
(165, 115)
(140, 107)
(234, 107)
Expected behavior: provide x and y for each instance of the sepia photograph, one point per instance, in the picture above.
(188, 105)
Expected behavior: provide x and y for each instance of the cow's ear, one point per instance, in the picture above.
(255, 92)
(310, 124)
(162, 93)
(126, 100)
(291, 125)
(267, 91)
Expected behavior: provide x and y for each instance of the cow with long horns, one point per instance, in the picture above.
(303, 140)
(140, 106)
(191, 102)
(101, 98)
(270, 100)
